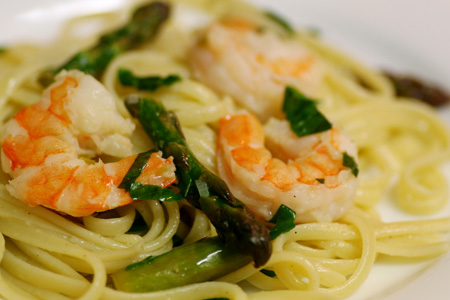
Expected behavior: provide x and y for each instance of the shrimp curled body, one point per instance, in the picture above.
(254, 66)
(47, 149)
(307, 175)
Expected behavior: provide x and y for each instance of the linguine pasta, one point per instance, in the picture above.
(402, 146)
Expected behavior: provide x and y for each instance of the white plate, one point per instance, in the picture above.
(401, 35)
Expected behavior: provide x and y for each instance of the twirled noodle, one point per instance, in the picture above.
(139, 62)
(398, 136)
(416, 155)
(402, 146)
(196, 105)
(343, 73)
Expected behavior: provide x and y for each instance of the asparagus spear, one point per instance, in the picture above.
(143, 26)
(207, 259)
(234, 222)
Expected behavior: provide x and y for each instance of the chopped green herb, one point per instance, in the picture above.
(150, 83)
(269, 273)
(349, 162)
(2, 50)
(136, 169)
(281, 21)
(284, 220)
(302, 113)
(139, 191)
(321, 180)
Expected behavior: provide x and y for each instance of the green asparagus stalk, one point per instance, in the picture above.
(143, 26)
(205, 260)
(234, 222)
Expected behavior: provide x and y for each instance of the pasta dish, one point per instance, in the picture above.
(200, 149)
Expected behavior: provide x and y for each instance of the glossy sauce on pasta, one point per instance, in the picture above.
(401, 147)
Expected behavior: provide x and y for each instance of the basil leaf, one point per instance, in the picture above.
(349, 162)
(284, 220)
(302, 113)
(281, 21)
(136, 169)
(150, 83)
(268, 273)
(139, 191)
(321, 180)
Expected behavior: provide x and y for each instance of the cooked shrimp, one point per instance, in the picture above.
(254, 66)
(46, 149)
(307, 175)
